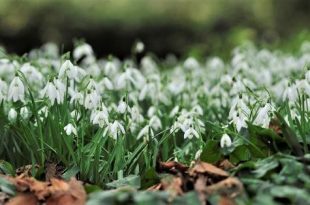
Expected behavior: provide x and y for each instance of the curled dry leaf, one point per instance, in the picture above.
(226, 165)
(23, 199)
(25, 171)
(206, 168)
(172, 166)
(230, 187)
(67, 193)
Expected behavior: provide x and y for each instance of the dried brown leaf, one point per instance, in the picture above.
(228, 187)
(224, 200)
(226, 165)
(172, 166)
(23, 199)
(206, 168)
(67, 193)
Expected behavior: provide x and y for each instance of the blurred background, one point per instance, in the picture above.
(192, 27)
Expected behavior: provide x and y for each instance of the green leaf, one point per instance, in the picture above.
(264, 166)
(7, 186)
(6, 168)
(131, 180)
(211, 153)
(241, 153)
(72, 172)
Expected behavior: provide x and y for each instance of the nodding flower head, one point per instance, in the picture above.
(16, 90)
(225, 141)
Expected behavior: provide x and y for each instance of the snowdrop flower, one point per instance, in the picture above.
(190, 133)
(155, 123)
(75, 114)
(263, 118)
(70, 129)
(3, 90)
(12, 115)
(101, 118)
(82, 50)
(146, 132)
(32, 74)
(25, 113)
(92, 100)
(290, 93)
(16, 90)
(239, 121)
(139, 47)
(50, 92)
(122, 106)
(191, 63)
(116, 128)
(174, 111)
(225, 141)
(68, 70)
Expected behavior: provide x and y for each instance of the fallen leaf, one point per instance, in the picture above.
(67, 194)
(172, 166)
(226, 165)
(206, 168)
(23, 199)
(173, 185)
(201, 187)
(224, 200)
(228, 187)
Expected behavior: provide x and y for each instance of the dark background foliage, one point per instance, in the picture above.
(198, 27)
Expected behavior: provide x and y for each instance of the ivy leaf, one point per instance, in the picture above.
(211, 153)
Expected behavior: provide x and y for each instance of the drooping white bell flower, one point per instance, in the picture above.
(290, 93)
(3, 90)
(50, 92)
(225, 141)
(146, 132)
(12, 115)
(239, 121)
(101, 118)
(155, 123)
(67, 69)
(92, 100)
(70, 129)
(25, 113)
(82, 50)
(116, 128)
(191, 63)
(190, 133)
(263, 118)
(122, 106)
(16, 90)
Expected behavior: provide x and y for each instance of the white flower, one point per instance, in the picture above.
(262, 117)
(50, 92)
(16, 90)
(190, 133)
(290, 93)
(155, 123)
(12, 115)
(92, 100)
(82, 50)
(146, 132)
(116, 128)
(3, 90)
(101, 118)
(68, 70)
(239, 121)
(122, 106)
(225, 141)
(25, 113)
(174, 111)
(69, 129)
(191, 63)
(139, 47)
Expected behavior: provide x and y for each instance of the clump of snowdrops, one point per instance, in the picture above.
(107, 118)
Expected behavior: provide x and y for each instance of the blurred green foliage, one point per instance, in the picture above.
(198, 27)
